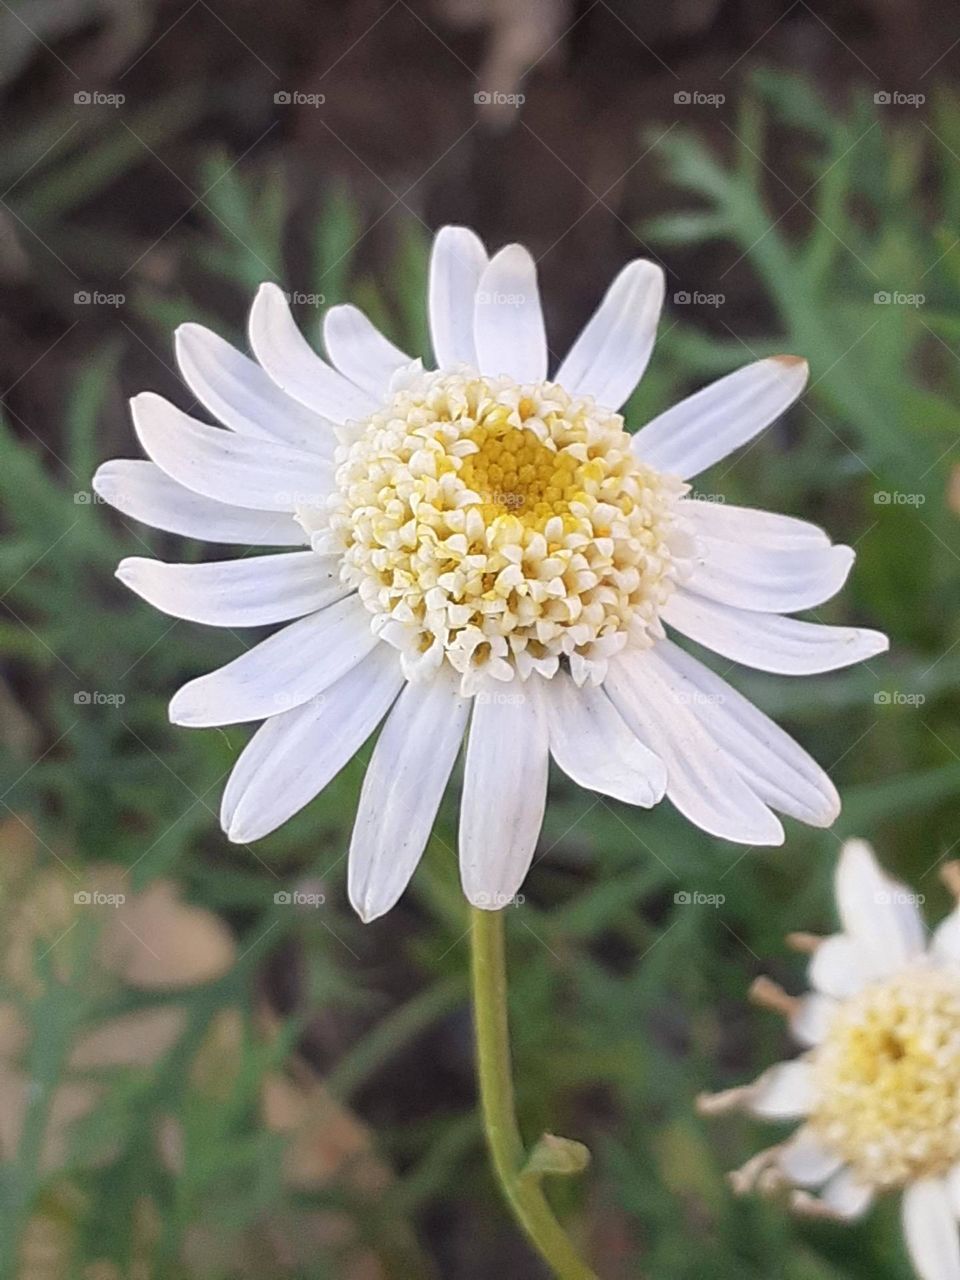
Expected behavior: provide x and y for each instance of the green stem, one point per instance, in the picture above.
(522, 1192)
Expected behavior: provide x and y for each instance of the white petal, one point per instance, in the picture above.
(953, 1188)
(457, 262)
(608, 359)
(839, 967)
(805, 1161)
(930, 1228)
(508, 321)
(768, 579)
(775, 767)
(292, 757)
(702, 781)
(592, 745)
(142, 491)
(240, 395)
(785, 1092)
(360, 351)
(705, 427)
(280, 672)
(752, 525)
(241, 470)
(251, 592)
(946, 938)
(504, 794)
(768, 641)
(293, 364)
(408, 772)
(811, 1018)
(845, 1197)
(878, 913)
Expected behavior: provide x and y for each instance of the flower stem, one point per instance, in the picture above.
(521, 1190)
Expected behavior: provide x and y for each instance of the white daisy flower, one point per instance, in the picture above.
(878, 1088)
(482, 551)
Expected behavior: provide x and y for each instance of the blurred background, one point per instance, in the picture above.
(208, 1067)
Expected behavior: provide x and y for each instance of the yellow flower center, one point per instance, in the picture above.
(504, 528)
(887, 1078)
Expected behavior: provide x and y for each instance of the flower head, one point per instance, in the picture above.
(878, 1086)
(481, 550)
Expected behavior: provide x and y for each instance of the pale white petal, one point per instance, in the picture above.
(240, 395)
(879, 913)
(457, 262)
(404, 785)
(705, 427)
(930, 1228)
(768, 579)
(142, 491)
(811, 1017)
(768, 641)
(805, 1161)
(592, 745)
(845, 1196)
(241, 470)
(785, 1092)
(839, 967)
(608, 359)
(292, 757)
(250, 592)
(508, 321)
(702, 781)
(295, 367)
(504, 794)
(773, 766)
(360, 351)
(280, 672)
(946, 938)
(752, 525)
(953, 1188)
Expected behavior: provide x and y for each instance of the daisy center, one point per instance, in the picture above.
(505, 529)
(888, 1079)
